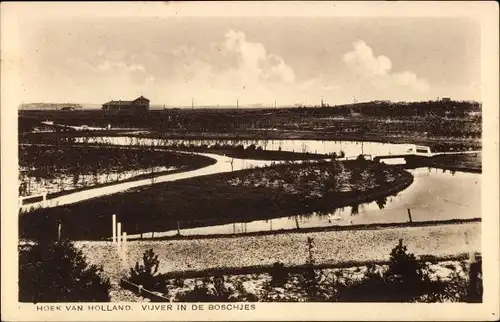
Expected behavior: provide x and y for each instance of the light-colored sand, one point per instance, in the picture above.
(291, 249)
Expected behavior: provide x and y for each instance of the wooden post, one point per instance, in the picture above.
(472, 254)
(114, 228)
(124, 241)
(297, 222)
(400, 242)
(59, 231)
(118, 234)
(271, 224)
(178, 228)
(409, 214)
(44, 196)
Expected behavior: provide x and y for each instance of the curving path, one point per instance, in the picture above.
(223, 164)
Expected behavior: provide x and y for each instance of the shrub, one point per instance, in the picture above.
(55, 271)
(279, 274)
(310, 277)
(146, 274)
(211, 290)
(405, 280)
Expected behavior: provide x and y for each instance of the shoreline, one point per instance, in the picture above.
(330, 248)
(435, 142)
(333, 228)
(186, 191)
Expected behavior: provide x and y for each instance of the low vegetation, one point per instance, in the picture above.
(457, 161)
(262, 193)
(442, 125)
(70, 167)
(405, 278)
(55, 271)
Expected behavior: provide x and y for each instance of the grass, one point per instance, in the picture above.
(247, 195)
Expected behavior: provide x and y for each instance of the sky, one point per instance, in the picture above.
(255, 60)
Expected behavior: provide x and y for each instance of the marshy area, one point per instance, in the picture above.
(63, 169)
(252, 194)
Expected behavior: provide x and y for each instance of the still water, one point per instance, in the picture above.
(434, 195)
(350, 148)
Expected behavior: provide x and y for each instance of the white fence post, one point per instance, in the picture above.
(124, 242)
(123, 250)
(118, 235)
(114, 228)
(44, 199)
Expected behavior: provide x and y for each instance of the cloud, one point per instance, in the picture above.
(377, 70)
(246, 61)
(234, 67)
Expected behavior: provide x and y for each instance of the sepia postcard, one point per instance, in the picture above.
(177, 161)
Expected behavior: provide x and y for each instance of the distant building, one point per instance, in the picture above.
(446, 99)
(140, 104)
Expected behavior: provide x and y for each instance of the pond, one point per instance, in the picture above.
(434, 195)
(350, 148)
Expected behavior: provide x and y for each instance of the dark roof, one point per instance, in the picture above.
(122, 103)
(142, 98)
(119, 103)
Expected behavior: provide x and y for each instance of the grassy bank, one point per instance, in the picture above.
(470, 162)
(247, 195)
(458, 162)
(321, 229)
(257, 154)
(437, 143)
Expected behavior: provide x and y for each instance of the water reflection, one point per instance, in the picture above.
(434, 195)
(350, 148)
(381, 203)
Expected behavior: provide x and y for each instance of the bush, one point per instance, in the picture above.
(55, 271)
(279, 274)
(405, 280)
(211, 290)
(310, 277)
(146, 274)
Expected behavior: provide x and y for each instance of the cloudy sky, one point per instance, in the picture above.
(293, 60)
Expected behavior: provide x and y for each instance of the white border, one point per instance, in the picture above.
(485, 12)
